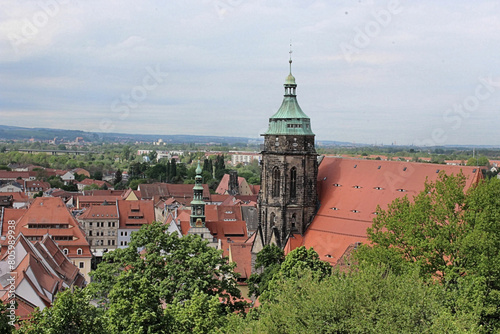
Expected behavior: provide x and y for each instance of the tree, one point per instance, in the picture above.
(118, 177)
(134, 284)
(198, 315)
(126, 152)
(71, 313)
(425, 231)
(5, 321)
(268, 262)
(369, 299)
(152, 155)
(450, 235)
(172, 173)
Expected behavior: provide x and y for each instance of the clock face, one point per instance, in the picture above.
(198, 211)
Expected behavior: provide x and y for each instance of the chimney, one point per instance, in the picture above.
(233, 187)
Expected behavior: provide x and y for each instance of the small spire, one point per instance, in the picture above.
(290, 52)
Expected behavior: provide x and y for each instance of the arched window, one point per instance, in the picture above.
(272, 219)
(293, 182)
(294, 220)
(276, 182)
(65, 251)
(79, 251)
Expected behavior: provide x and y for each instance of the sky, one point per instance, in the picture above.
(399, 72)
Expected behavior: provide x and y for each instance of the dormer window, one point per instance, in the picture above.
(79, 251)
(65, 251)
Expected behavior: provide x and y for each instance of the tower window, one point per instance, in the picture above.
(293, 182)
(293, 220)
(276, 182)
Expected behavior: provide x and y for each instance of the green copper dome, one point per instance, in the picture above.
(289, 119)
(198, 169)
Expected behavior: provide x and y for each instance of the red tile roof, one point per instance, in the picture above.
(17, 196)
(49, 271)
(49, 215)
(134, 214)
(100, 211)
(181, 192)
(349, 192)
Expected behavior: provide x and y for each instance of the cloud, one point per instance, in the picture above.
(226, 62)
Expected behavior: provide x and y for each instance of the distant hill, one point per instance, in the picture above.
(21, 133)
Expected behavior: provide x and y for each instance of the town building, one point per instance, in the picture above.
(132, 216)
(100, 224)
(327, 203)
(289, 169)
(40, 270)
(50, 216)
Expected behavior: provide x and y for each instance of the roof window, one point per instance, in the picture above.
(357, 187)
(404, 169)
(474, 170)
(378, 188)
(437, 170)
(379, 167)
(400, 190)
(355, 211)
(337, 185)
(335, 209)
(355, 166)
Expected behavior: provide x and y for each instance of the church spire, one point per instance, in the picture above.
(289, 119)
(290, 84)
(197, 204)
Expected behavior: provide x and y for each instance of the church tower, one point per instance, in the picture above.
(289, 170)
(197, 218)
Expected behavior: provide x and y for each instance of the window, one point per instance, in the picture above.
(90, 233)
(79, 251)
(112, 242)
(81, 265)
(272, 219)
(293, 220)
(276, 182)
(65, 251)
(293, 182)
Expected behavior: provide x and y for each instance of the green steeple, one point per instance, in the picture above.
(198, 204)
(289, 119)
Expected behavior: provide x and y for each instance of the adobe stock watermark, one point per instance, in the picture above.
(122, 106)
(11, 281)
(453, 117)
(32, 25)
(364, 35)
(223, 7)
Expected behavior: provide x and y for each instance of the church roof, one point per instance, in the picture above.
(349, 192)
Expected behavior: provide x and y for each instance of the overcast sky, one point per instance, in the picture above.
(376, 72)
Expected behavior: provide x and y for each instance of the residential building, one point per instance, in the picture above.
(132, 216)
(100, 224)
(49, 215)
(40, 271)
